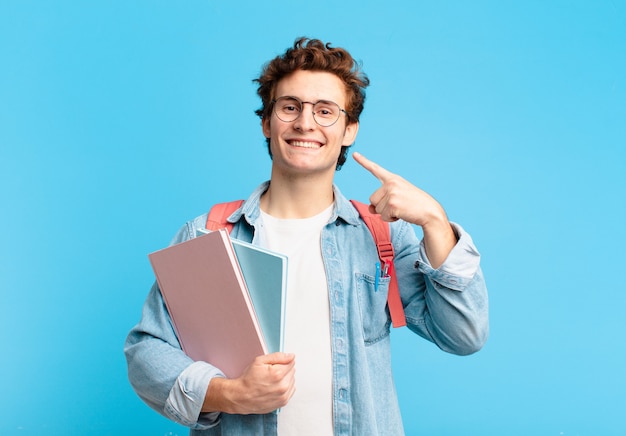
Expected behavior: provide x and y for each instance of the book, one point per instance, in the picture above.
(265, 274)
(206, 295)
(208, 302)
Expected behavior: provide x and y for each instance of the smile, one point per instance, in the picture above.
(305, 144)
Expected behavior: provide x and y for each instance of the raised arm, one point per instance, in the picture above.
(399, 199)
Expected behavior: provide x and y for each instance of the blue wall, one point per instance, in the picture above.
(121, 120)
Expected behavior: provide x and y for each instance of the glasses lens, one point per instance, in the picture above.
(287, 109)
(326, 113)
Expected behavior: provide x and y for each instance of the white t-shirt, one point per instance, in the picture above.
(307, 326)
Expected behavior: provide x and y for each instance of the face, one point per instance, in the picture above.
(302, 147)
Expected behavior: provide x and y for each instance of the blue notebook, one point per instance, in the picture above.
(265, 273)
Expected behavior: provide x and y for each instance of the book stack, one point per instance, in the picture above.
(226, 298)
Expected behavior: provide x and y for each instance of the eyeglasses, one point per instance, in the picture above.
(325, 113)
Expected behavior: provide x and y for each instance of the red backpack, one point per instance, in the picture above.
(379, 229)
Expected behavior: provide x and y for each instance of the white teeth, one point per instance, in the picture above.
(305, 144)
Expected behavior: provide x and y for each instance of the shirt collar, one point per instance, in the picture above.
(250, 209)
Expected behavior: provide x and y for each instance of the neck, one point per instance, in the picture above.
(297, 198)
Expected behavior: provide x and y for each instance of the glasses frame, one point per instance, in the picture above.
(302, 103)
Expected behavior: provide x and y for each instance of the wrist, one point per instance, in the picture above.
(439, 240)
(217, 395)
(437, 224)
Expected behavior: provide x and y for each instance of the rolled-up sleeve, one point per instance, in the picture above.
(462, 262)
(184, 403)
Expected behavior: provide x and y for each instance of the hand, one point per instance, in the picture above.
(266, 385)
(398, 199)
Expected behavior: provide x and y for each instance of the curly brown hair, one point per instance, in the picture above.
(314, 55)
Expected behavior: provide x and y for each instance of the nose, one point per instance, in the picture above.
(306, 120)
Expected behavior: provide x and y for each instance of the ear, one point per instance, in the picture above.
(265, 123)
(350, 133)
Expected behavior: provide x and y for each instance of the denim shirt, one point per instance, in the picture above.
(447, 306)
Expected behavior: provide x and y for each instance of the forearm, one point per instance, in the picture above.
(439, 240)
(439, 236)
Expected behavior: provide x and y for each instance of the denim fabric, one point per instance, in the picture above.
(447, 306)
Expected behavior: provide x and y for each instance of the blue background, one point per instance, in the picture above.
(121, 120)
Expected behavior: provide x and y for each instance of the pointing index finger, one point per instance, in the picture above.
(376, 170)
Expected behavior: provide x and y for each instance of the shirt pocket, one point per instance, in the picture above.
(373, 307)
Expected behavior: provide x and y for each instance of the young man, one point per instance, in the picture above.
(336, 377)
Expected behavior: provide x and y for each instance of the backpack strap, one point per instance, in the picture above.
(382, 237)
(219, 213)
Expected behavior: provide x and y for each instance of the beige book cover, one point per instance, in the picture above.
(208, 302)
